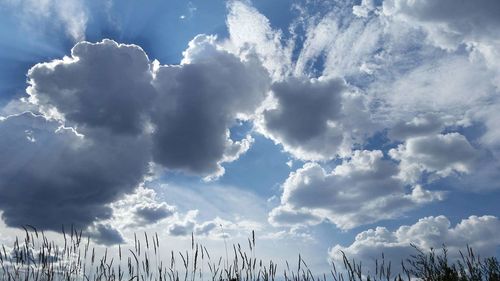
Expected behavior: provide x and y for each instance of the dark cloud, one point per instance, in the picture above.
(106, 235)
(104, 85)
(120, 112)
(152, 214)
(307, 117)
(304, 108)
(199, 101)
(50, 176)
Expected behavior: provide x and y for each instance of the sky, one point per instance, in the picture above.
(324, 126)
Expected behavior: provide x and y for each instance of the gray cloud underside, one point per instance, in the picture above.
(120, 111)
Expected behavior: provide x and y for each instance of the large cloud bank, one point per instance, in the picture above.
(102, 116)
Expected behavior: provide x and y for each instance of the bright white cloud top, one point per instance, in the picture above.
(386, 113)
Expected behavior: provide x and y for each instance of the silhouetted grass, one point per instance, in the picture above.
(35, 258)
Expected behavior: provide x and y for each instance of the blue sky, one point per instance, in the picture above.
(360, 126)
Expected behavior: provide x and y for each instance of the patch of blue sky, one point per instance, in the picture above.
(162, 28)
(261, 169)
(23, 46)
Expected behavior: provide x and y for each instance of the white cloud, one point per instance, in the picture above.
(479, 232)
(363, 189)
(440, 154)
(420, 125)
(449, 23)
(140, 209)
(364, 9)
(250, 32)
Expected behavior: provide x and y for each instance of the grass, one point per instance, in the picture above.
(36, 258)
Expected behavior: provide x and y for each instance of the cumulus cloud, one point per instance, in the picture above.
(363, 189)
(304, 119)
(190, 225)
(102, 84)
(106, 112)
(214, 228)
(140, 208)
(105, 234)
(439, 154)
(201, 100)
(116, 87)
(315, 119)
(286, 215)
(479, 232)
(52, 176)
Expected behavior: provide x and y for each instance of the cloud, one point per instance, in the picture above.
(451, 85)
(479, 232)
(140, 209)
(214, 228)
(304, 119)
(363, 189)
(102, 85)
(364, 9)
(52, 176)
(116, 87)
(200, 100)
(286, 215)
(251, 33)
(105, 234)
(440, 154)
(183, 227)
(420, 125)
(105, 113)
(448, 23)
(315, 119)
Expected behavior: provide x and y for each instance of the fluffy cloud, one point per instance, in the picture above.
(103, 85)
(304, 119)
(116, 87)
(480, 233)
(199, 102)
(140, 208)
(107, 111)
(361, 190)
(315, 119)
(50, 175)
(439, 154)
(105, 234)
